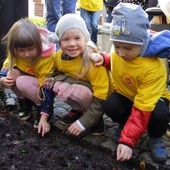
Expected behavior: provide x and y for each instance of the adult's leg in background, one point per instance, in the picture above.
(94, 17)
(9, 13)
(53, 8)
(86, 16)
(68, 6)
(109, 12)
(20, 4)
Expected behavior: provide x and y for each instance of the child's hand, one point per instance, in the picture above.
(10, 79)
(48, 81)
(97, 59)
(74, 129)
(43, 126)
(7, 82)
(124, 152)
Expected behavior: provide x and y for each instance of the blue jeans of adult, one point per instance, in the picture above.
(92, 19)
(109, 12)
(57, 8)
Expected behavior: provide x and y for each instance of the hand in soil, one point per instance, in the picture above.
(22, 148)
(43, 126)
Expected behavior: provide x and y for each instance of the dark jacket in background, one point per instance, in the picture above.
(142, 3)
(152, 3)
(10, 12)
(111, 3)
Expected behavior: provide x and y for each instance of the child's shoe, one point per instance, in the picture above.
(116, 134)
(25, 107)
(71, 117)
(99, 129)
(157, 148)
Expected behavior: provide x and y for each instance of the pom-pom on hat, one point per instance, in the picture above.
(70, 21)
(130, 24)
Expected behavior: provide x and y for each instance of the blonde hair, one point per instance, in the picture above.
(22, 34)
(86, 61)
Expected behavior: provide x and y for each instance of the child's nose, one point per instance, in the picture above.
(72, 42)
(122, 52)
(26, 53)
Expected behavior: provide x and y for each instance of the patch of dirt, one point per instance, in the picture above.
(21, 148)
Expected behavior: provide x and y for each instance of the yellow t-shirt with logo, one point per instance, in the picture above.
(98, 77)
(43, 66)
(142, 80)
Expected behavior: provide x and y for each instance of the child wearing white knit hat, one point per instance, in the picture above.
(69, 21)
(73, 59)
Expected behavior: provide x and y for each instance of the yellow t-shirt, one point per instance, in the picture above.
(97, 76)
(43, 67)
(142, 80)
(91, 5)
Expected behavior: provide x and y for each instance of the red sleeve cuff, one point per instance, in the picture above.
(106, 58)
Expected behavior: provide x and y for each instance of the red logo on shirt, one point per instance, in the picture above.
(128, 80)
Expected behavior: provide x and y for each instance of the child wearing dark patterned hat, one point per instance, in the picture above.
(140, 101)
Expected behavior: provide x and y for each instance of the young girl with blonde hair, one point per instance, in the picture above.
(73, 59)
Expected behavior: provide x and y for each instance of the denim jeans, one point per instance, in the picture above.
(109, 18)
(57, 8)
(92, 19)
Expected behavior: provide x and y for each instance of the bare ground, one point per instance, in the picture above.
(22, 148)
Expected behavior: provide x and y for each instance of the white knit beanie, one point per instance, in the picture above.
(69, 21)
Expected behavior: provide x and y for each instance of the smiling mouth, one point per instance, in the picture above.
(72, 50)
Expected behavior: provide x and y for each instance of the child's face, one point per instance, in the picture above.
(73, 42)
(127, 51)
(29, 53)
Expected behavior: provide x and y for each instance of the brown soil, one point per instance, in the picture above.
(22, 148)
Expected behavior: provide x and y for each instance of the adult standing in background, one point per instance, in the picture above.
(55, 9)
(90, 11)
(10, 12)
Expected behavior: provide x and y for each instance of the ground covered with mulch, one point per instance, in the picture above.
(22, 148)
